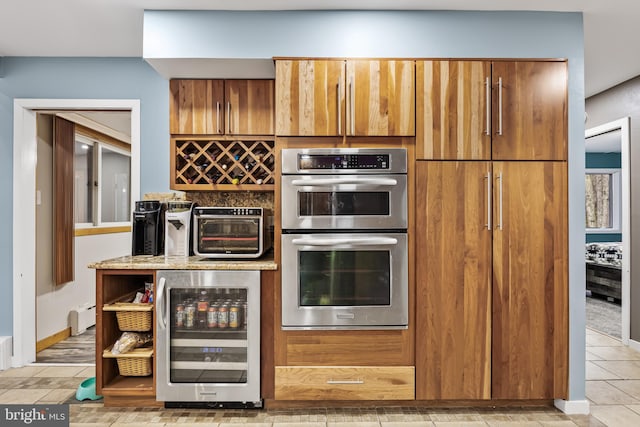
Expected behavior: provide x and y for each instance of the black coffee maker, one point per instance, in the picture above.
(148, 228)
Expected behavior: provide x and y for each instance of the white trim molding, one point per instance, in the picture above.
(24, 205)
(572, 407)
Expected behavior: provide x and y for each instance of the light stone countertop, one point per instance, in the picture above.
(148, 262)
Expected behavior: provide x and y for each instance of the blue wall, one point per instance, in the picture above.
(225, 34)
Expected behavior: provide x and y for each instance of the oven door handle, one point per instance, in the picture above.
(353, 241)
(382, 182)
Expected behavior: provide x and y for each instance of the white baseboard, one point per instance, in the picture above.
(572, 407)
(634, 345)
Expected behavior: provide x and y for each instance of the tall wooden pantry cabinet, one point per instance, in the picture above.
(491, 202)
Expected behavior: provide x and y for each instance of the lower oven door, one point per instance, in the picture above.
(345, 281)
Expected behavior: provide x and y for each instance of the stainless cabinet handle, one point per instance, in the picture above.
(487, 89)
(339, 108)
(489, 213)
(500, 106)
(229, 117)
(218, 117)
(500, 201)
(352, 104)
(160, 304)
(358, 381)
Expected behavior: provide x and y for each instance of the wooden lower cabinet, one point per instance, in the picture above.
(344, 383)
(491, 280)
(453, 278)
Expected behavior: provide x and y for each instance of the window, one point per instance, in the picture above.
(602, 201)
(102, 183)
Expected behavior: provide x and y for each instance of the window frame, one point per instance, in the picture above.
(98, 146)
(615, 200)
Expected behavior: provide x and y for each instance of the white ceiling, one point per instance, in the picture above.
(112, 28)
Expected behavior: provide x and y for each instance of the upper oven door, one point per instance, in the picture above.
(344, 201)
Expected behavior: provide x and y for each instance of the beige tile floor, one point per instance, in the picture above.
(612, 387)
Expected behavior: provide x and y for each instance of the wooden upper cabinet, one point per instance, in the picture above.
(380, 98)
(345, 98)
(529, 110)
(453, 280)
(195, 106)
(453, 110)
(249, 107)
(530, 281)
(217, 107)
(310, 96)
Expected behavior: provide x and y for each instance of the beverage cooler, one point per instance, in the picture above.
(208, 338)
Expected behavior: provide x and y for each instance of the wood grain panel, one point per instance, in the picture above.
(357, 348)
(267, 365)
(251, 109)
(530, 288)
(344, 383)
(453, 275)
(310, 97)
(381, 96)
(534, 110)
(63, 182)
(196, 107)
(452, 110)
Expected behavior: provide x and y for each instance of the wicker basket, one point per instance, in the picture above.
(132, 317)
(135, 363)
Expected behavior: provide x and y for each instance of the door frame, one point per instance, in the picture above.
(625, 165)
(24, 206)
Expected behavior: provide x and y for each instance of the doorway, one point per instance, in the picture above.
(608, 234)
(24, 206)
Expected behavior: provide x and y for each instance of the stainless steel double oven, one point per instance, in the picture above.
(344, 238)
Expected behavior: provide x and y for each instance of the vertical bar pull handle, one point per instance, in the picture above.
(500, 201)
(487, 89)
(500, 106)
(352, 104)
(218, 118)
(229, 117)
(339, 107)
(489, 213)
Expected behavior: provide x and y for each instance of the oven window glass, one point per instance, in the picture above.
(345, 278)
(219, 235)
(344, 203)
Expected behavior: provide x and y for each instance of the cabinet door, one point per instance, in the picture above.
(454, 110)
(453, 275)
(530, 110)
(310, 98)
(530, 284)
(381, 98)
(249, 107)
(196, 107)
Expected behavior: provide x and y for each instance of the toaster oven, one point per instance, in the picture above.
(222, 232)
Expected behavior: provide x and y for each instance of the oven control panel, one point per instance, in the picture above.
(223, 211)
(343, 161)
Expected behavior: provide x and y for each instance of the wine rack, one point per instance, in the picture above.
(218, 164)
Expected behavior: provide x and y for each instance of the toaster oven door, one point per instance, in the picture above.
(224, 236)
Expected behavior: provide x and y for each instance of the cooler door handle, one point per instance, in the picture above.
(162, 315)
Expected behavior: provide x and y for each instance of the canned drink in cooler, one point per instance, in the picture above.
(179, 315)
(234, 316)
(223, 316)
(212, 316)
